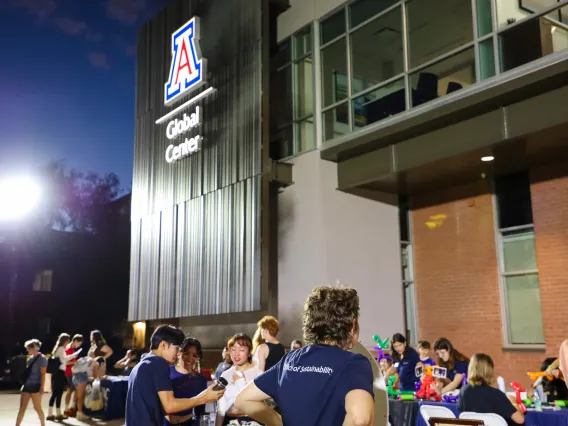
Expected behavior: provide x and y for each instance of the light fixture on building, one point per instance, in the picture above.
(487, 158)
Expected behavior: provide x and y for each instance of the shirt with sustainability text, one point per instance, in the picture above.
(310, 384)
(406, 370)
(143, 406)
(460, 367)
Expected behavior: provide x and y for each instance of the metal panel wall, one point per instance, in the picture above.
(196, 222)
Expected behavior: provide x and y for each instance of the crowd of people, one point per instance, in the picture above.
(70, 373)
(259, 382)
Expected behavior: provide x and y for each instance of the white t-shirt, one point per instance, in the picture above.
(60, 353)
(237, 381)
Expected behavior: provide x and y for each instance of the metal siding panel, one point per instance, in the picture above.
(205, 260)
(134, 271)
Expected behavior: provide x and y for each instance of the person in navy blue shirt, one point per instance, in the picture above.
(424, 350)
(150, 391)
(321, 384)
(455, 363)
(187, 382)
(405, 359)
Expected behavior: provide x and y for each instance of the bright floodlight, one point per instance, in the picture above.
(18, 197)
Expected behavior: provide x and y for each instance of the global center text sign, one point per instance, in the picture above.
(187, 72)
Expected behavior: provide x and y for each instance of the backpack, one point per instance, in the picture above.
(53, 365)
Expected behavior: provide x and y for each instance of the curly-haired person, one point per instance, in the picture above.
(322, 383)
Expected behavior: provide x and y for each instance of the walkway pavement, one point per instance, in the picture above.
(10, 401)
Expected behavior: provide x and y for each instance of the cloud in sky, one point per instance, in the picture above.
(128, 48)
(99, 60)
(70, 26)
(126, 11)
(40, 9)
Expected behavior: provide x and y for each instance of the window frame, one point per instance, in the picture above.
(503, 275)
(411, 330)
(296, 122)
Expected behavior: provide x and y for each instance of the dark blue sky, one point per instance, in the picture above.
(67, 75)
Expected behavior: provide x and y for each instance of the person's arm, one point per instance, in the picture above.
(508, 409)
(174, 405)
(360, 408)
(262, 354)
(390, 372)
(453, 385)
(43, 371)
(71, 356)
(251, 401)
(107, 350)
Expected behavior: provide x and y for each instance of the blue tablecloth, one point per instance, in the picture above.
(547, 417)
(114, 394)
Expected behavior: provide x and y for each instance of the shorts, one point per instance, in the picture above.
(31, 388)
(80, 379)
(70, 382)
(245, 421)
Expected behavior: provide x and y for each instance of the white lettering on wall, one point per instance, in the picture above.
(175, 153)
(177, 127)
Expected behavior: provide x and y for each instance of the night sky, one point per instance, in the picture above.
(67, 75)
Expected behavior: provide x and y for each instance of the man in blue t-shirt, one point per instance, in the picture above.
(150, 393)
(321, 384)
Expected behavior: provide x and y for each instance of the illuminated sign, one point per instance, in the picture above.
(188, 68)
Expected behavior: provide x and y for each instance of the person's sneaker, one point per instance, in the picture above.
(61, 417)
(81, 416)
(50, 418)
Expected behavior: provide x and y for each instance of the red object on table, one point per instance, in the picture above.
(427, 390)
(207, 372)
(518, 389)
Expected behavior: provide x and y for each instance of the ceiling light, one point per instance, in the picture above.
(487, 158)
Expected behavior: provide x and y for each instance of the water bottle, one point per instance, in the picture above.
(536, 401)
(204, 420)
(542, 395)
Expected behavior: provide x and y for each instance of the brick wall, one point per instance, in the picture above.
(549, 195)
(456, 277)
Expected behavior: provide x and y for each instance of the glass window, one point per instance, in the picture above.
(362, 10)
(404, 218)
(445, 77)
(377, 53)
(379, 104)
(486, 59)
(524, 311)
(303, 42)
(336, 122)
(514, 204)
(282, 97)
(426, 19)
(539, 37)
(334, 73)
(333, 26)
(304, 85)
(519, 251)
(484, 17)
(305, 135)
(560, 15)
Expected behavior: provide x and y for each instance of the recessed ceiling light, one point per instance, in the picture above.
(487, 158)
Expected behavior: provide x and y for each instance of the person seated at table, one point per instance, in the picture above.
(479, 395)
(187, 382)
(554, 389)
(424, 350)
(405, 360)
(385, 363)
(223, 365)
(454, 362)
(296, 344)
(126, 364)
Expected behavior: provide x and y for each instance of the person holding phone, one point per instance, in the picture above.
(150, 391)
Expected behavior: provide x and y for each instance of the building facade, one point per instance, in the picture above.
(428, 166)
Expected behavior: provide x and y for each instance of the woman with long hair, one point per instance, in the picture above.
(187, 382)
(322, 383)
(454, 362)
(404, 362)
(480, 396)
(58, 379)
(238, 376)
(34, 382)
(99, 346)
(271, 350)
